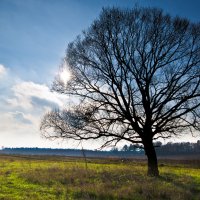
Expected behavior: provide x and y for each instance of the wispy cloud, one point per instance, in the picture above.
(3, 71)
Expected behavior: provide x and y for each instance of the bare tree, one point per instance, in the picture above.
(136, 77)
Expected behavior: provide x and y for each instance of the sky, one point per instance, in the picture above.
(33, 38)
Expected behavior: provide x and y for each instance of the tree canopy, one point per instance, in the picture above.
(136, 77)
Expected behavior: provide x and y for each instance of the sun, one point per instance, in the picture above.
(65, 75)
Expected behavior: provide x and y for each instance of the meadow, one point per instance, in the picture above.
(60, 178)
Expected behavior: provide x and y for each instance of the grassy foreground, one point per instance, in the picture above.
(57, 178)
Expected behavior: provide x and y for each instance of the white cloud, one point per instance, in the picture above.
(15, 133)
(21, 117)
(3, 71)
(30, 95)
(9, 123)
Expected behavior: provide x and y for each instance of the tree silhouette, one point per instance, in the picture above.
(135, 77)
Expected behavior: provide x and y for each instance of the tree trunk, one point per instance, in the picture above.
(152, 158)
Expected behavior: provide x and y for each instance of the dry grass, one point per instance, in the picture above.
(68, 178)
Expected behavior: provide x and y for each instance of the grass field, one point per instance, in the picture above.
(57, 178)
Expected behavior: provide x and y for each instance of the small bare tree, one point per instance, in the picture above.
(136, 77)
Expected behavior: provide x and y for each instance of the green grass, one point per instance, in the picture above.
(57, 178)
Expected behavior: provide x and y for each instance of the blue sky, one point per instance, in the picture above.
(33, 37)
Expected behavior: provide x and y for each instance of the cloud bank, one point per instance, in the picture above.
(22, 105)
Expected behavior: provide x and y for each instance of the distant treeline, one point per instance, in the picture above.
(69, 152)
(178, 148)
(185, 148)
(170, 148)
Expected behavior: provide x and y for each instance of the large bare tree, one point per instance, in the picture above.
(135, 77)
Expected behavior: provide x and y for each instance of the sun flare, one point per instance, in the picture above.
(65, 75)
